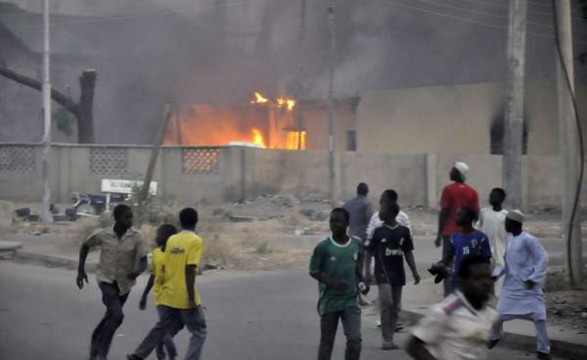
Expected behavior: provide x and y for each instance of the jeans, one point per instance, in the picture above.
(171, 320)
(447, 283)
(104, 332)
(351, 323)
(167, 343)
(390, 302)
(542, 342)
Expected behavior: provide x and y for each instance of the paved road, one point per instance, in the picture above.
(253, 316)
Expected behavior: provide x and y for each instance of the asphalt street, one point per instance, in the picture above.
(250, 316)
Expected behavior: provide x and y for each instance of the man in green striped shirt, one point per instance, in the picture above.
(336, 265)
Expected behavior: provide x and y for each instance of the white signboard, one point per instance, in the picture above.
(125, 186)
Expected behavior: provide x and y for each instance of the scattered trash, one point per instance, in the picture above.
(22, 213)
(241, 218)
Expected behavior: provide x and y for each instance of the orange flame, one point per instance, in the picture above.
(291, 103)
(259, 99)
(258, 138)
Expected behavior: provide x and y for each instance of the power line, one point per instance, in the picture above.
(468, 20)
(483, 13)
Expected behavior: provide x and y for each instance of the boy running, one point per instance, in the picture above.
(336, 264)
(467, 241)
(180, 302)
(155, 281)
(389, 245)
(458, 327)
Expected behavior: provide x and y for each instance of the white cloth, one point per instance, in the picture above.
(462, 167)
(402, 218)
(525, 259)
(492, 223)
(454, 330)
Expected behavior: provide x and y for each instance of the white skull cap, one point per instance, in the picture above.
(462, 167)
(516, 215)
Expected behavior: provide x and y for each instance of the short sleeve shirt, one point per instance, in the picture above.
(157, 269)
(454, 197)
(182, 249)
(454, 330)
(388, 246)
(463, 245)
(118, 257)
(360, 211)
(337, 262)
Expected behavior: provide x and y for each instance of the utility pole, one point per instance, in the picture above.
(331, 172)
(46, 212)
(143, 195)
(568, 143)
(513, 134)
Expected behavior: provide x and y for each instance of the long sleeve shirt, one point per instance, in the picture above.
(525, 260)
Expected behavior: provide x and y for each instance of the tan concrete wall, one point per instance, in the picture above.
(455, 119)
(442, 120)
(246, 173)
(404, 173)
(315, 120)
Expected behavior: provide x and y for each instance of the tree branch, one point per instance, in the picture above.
(57, 96)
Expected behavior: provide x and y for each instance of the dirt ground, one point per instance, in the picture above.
(241, 235)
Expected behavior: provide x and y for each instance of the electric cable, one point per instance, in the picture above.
(580, 138)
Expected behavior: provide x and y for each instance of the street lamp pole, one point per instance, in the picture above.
(46, 213)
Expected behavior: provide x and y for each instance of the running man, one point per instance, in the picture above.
(336, 265)
(121, 247)
(525, 274)
(389, 245)
(154, 282)
(180, 302)
(467, 241)
(454, 196)
(458, 327)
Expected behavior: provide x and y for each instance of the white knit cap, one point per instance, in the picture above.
(516, 215)
(462, 167)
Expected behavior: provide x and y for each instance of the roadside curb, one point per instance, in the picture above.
(566, 350)
(49, 261)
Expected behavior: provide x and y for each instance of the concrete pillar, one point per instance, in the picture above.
(431, 181)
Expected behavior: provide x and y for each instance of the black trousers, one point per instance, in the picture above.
(104, 332)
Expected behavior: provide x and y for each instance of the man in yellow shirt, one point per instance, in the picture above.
(164, 232)
(179, 300)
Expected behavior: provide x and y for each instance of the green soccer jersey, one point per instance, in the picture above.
(338, 262)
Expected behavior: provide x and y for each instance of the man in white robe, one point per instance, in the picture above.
(522, 297)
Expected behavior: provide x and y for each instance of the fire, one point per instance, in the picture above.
(259, 99)
(280, 102)
(295, 140)
(268, 123)
(258, 138)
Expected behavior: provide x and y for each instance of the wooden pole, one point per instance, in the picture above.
(155, 153)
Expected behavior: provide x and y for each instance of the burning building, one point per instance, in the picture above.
(261, 122)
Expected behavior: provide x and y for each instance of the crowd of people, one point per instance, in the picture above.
(479, 248)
